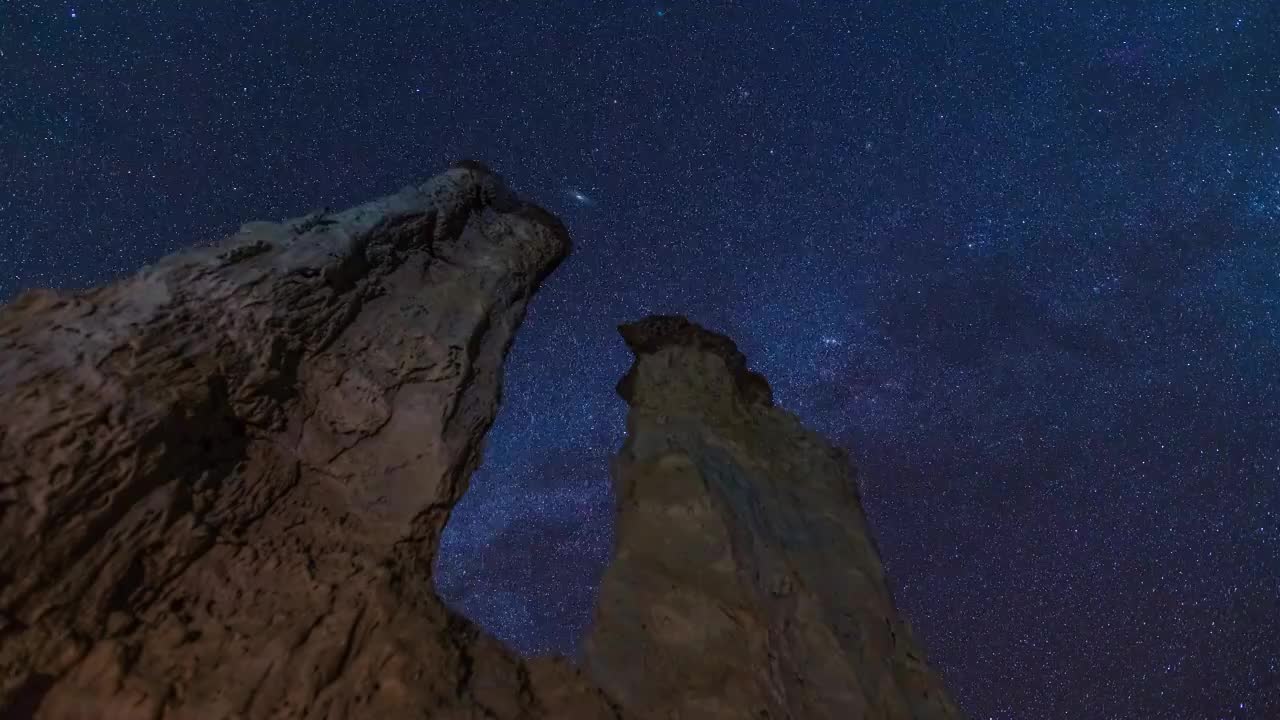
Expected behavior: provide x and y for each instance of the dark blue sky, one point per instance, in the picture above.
(1023, 259)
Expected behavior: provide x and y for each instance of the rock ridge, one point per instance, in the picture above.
(223, 479)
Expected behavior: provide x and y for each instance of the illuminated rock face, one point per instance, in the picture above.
(223, 482)
(223, 479)
(745, 582)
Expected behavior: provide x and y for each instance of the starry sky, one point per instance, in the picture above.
(1021, 258)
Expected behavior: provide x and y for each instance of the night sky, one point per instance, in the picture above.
(1021, 258)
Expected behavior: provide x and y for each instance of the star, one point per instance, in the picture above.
(1039, 306)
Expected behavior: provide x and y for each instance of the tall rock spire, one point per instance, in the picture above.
(745, 583)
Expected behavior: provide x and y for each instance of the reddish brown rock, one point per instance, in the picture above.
(223, 480)
(745, 583)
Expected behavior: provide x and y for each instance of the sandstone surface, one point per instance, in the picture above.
(223, 479)
(745, 582)
(223, 482)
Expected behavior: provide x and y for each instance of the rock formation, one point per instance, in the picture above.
(745, 582)
(223, 480)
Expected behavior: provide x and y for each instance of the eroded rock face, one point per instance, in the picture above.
(745, 583)
(223, 480)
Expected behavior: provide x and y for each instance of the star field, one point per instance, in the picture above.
(1021, 258)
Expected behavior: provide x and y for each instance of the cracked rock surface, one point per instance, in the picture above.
(223, 480)
(745, 581)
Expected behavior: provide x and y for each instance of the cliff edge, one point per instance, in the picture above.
(223, 479)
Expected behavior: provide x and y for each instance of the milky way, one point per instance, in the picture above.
(1020, 258)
